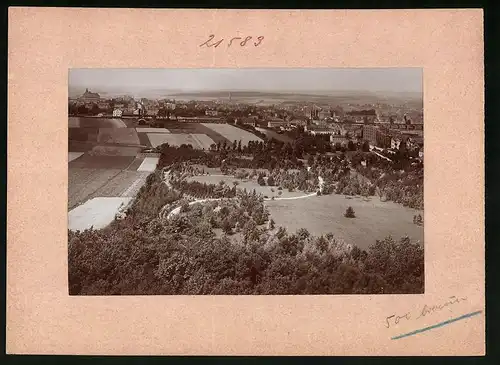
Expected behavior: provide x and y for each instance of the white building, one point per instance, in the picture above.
(117, 113)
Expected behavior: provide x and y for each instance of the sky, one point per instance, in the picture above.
(270, 79)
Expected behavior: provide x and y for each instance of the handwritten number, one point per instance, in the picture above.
(210, 37)
(259, 41)
(218, 43)
(244, 42)
(231, 42)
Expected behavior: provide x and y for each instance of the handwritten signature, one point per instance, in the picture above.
(242, 41)
(425, 311)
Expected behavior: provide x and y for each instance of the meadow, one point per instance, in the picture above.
(374, 219)
(232, 133)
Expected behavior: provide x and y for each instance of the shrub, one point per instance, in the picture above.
(349, 213)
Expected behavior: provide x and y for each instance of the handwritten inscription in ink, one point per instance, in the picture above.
(395, 319)
(232, 42)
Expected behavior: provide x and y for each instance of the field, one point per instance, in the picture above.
(194, 128)
(118, 135)
(149, 164)
(232, 133)
(74, 155)
(199, 141)
(152, 130)
(322, 214)
(87, 183)
(98, 212)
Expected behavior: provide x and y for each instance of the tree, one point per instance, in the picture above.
(365, 147)
(260, 180)
(351, 146)
(270, 181)
(185, 208)
(349, 213)
(226, 226)
(239, 146)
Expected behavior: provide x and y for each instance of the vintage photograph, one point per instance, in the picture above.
(245, 181)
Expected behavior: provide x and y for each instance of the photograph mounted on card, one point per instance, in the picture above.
(257, 185)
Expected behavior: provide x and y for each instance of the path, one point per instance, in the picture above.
(176, 210)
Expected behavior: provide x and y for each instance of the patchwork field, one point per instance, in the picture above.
(87, 183)
(83, 182)
(199, 141)
(118, 135)
(232, 133)
(323, 214)
(96, 213)
(102, 162)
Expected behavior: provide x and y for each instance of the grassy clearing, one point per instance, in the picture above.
(323, 214)
(246, 184)
(232, 133)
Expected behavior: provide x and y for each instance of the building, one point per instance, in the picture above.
(320, 131)
(212, 113)
(376, 136)
(117, 113)
(298, 122)
(276, 123)
(338, 139)
(323, 114)
(90, 96)
(170, 106)
(370, 134)
(248, 121)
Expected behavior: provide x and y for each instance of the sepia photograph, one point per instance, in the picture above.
(272, 181)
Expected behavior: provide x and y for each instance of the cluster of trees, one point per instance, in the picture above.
(202, 190)
(82, 109)
(418, 219)
(349, 213)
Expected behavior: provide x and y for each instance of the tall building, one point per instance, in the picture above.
(90, 96)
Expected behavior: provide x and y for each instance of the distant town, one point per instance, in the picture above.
(385, 127)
